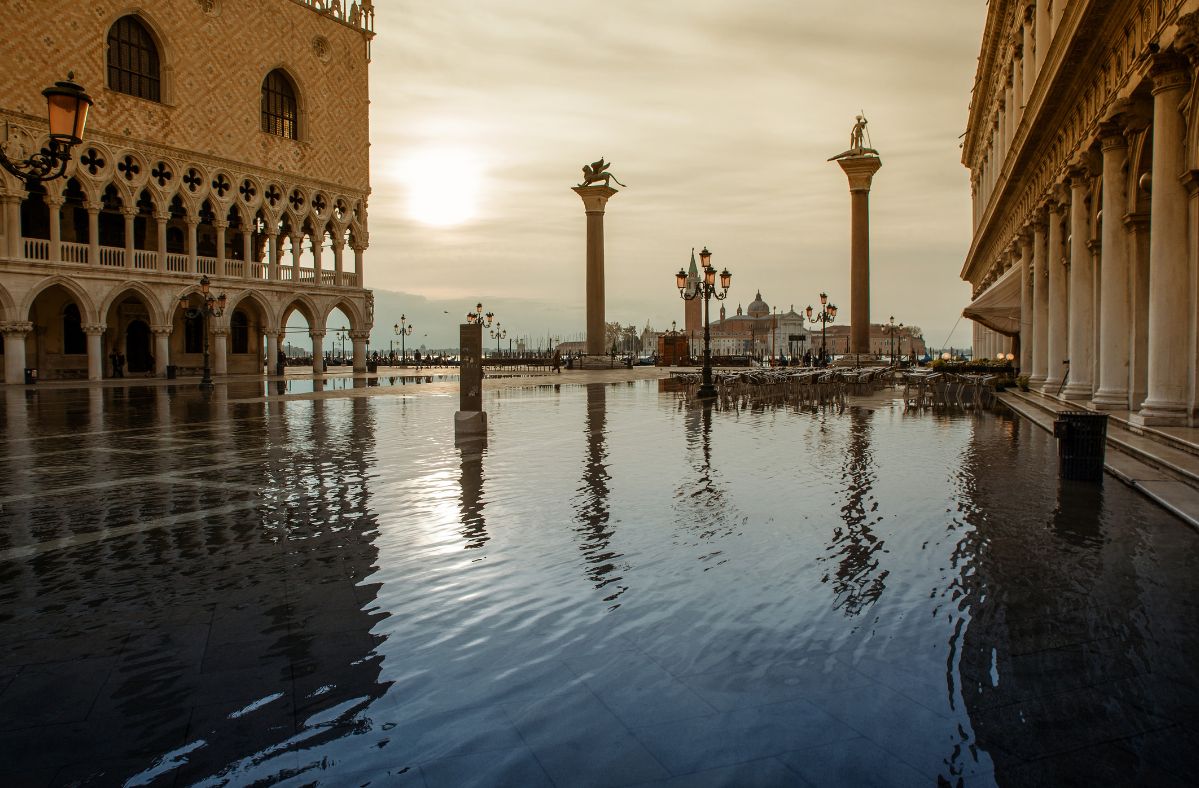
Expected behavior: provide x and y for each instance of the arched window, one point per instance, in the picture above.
(193, 334)
(239, 332)
(133, 59)
(74, 341)
(279, 114)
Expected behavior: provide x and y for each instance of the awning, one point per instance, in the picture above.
(998, 308)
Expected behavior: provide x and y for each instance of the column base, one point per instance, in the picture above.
(1050, 386)
(1110, 400)
(1077, 391)
(470, 422)
(1160, 414)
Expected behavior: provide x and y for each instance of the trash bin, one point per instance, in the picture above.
(1081, 441)
(372, 366)
(172, 371)
(30, 376)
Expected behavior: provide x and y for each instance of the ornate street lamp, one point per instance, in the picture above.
(66, 107)
(496, 333)
(213, 307)
(707, 290)
(893, 328)
(826, 315)
(402, 331)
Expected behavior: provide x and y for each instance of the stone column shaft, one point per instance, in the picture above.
(130, 214)
(54, 205)
(1029, 61)
(1081, 330)
(272, 352)
(162, 349)
(318, 351)
(359, 273)
(272, 245)
(860, 172)
(1040, 300)
(93, 233)
(1026, 308)
(220, 225)
(247, 250)
(162, 220)
(1043, 35)
(218, 345)
(359, 339)
(14, 352)
(595, 199)
(1169, 277)
(1114, 312)
(95, 352)
(1057, 348)
(192, 224)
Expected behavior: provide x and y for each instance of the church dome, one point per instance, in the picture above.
(758, 307)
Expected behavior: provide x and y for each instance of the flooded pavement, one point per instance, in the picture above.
(613, 589)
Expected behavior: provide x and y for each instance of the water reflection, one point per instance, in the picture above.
(705, 510)
(474, 525)
(857, 580)
(592, 511)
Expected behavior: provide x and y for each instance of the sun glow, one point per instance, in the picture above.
(443, 185)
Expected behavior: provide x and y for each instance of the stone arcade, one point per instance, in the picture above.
(228, 139)
(1083, 147)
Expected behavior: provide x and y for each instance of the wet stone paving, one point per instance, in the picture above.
(612, 589)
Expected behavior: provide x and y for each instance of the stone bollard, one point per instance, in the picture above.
(470, 419)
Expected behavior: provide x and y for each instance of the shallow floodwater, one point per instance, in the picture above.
(612, 589)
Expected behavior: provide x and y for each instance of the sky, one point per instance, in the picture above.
(720, 116)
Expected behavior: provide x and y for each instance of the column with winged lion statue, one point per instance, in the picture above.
(595, 192)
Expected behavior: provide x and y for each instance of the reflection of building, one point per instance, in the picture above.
(1082, 158)
(227, 140)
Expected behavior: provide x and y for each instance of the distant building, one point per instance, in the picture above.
(228, 139)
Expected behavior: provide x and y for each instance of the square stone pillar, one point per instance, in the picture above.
(470, 418)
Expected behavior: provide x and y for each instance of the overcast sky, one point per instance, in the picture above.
(718, 114)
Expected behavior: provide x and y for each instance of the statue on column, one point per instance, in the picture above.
(858, 136)
(596, 171)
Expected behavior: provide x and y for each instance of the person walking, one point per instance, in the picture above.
(416, 358)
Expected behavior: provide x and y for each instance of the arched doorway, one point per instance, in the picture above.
(138, 356)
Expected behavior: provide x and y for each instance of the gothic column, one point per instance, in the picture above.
(296, 251)
(339, 246)
(1114, 312)
(272, 352)
(14, 350)
(1040, 300)
(192, 264)
(93, 232)
(1169, 275)
(1042, 34)
(318, 351)
(161, 218)
(1056, 347)
(246, 250)
(220, 225)
(218, 345)
(272, 246)
(1029, 61)
(54, 205)
(95, 351)
(1081, 331)
(130, 213)
(1024, 244)
(358, 272)
(359, 338)
(162, 349)
(318, 248)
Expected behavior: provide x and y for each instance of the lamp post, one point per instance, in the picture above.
(707, 290)
(66, 109)
(827, 314)
(892, 328)
(213, 307)
(497, 333)
(403, 330)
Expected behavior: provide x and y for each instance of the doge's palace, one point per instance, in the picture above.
(1083, 150)
(228, 139)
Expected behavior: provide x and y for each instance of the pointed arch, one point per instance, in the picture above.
(158, 313)
(82, 299)
(258, 301)
(303, 304)
(349, 309)
(7, 305)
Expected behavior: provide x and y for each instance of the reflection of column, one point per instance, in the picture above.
(14, 351)
(95, 352)
(1081, 293)
(595, 198)
(857, 582)
(474, 525)
(592, 507)
(1056, 344)
(1169, 288)
(318, 350)
(219, 364)
(860, 171)
(1114, 313)
(162, 349)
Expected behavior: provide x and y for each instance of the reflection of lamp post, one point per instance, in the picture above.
(402, 331)
(827, 314)
(213, 307)
(66, 107)
(707, 289)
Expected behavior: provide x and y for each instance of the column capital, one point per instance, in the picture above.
(1169, 71)
(1111, 136)
(595, 198)
(860, 171)
(1137, 221)
(218, 331)
(1030, 12)
(357, 334)
(129, 211)
(162, 329)
(54, 199)
(16, 328)
(162, 217)
(317, 333)
(94, 328)
(92, 206)
(1095, 245)
(221, 224)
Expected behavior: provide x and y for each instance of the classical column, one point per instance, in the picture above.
(1029, 61)
(220, 225)
(296, 251)
(272, 352)
(1017, 84)
(218, 346)
(359, 249)
(161, 218)
(859, 169)
(1056, 347)
(1040, 301)
(339, 245)
(93, 232)
(1011, 113)
(130, 213)
(246, 250)
(272, 246)
(192, 264)
(162, 349)
(595, 199)
(1081, 330)
(14, 350)
(318, 351)
(359, 338)
(1042, 34)
(54, 204)
(1055, 16)
(1024, 244)
(1169, 277)
(95, 351)
(1114, 312)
